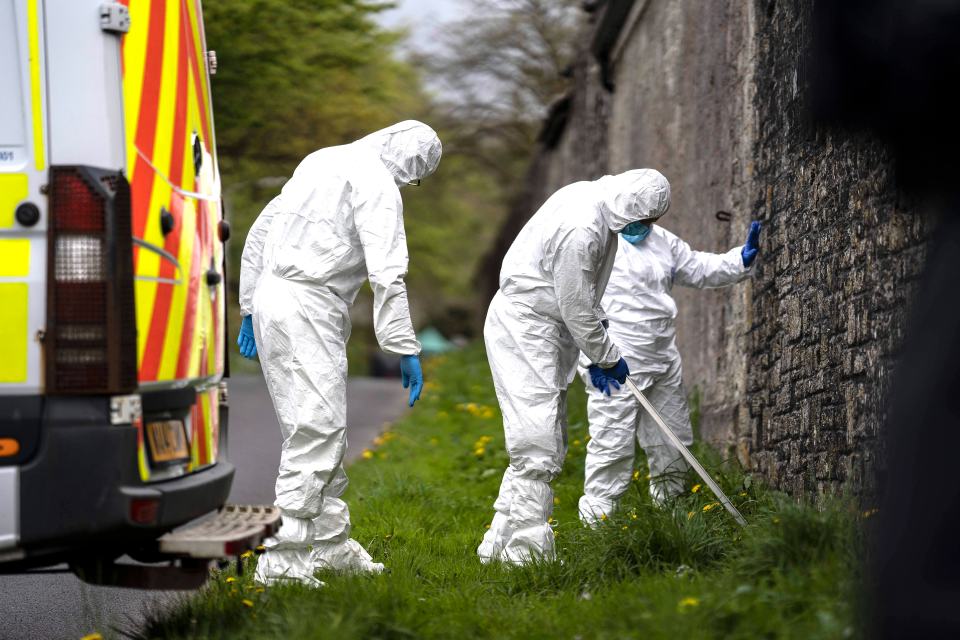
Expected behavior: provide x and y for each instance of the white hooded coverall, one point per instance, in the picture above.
(545, 313)
(642, 317)
(337, 222)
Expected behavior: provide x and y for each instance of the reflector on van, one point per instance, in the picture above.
(91, 329)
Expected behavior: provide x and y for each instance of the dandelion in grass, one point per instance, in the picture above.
(688, 603)
(710, 507)
(231, 579)
(379, 441)
(625, 527)
(696, 488)
(367, 454)
(556, 501)
(247, 603)
(690, 515)
(636, 475)
(576, 443)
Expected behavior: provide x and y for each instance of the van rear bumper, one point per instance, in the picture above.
(82, 488)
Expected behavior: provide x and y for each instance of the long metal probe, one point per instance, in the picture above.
(689, 457)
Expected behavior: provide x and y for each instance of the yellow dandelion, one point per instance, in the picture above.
(378, 441)
(479, 452)
(776, 520)
(624, 527)
(231, 579)
(869, 513)
(92, 636)
(688, 603)
(260, 589)
(743, 494)
(247, 603)
(696, 488)
(556, 501)
(576, 443)
(260, 548)
(709, 507)
(603, 517)
(246, 554)
(550, 520)
(488, 526)
(367, 454)
(636, 475)
(690, 515)
(633, 516)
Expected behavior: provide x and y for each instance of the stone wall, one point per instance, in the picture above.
(842, 252)
(792, 367)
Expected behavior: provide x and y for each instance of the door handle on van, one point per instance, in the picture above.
(166, 255)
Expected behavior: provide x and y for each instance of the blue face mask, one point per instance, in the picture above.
(635, 232)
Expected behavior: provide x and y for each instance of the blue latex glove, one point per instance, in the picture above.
(246, 341)
(411, 376)
(605, 379)
(752, 246)
(636, 232)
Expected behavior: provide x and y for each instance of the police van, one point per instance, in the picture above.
(113, 399)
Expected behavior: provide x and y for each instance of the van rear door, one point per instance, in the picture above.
(23, 210)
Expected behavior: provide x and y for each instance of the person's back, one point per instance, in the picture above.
(527, 274)
(313, 234)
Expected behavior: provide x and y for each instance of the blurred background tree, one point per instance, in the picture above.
(298, 75)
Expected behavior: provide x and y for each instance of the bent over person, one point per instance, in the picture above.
(545, 313)
(642, 314)
(337, 222)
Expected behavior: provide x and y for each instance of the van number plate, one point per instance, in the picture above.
(167, 441)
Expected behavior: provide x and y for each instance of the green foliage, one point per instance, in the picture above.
(422, 499)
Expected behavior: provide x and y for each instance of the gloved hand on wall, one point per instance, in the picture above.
(411, 376)
(246, 341)
(604, 379)
(752, 246)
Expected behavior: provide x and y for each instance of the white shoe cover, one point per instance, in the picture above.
(346, 557)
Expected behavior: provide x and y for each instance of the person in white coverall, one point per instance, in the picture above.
(641, 312)
(546, 312)
(337, 222)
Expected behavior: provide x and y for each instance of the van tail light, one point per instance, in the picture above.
(91, 340)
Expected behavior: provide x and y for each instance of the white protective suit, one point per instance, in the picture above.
(337, 222)
(642, 314)
(545, 313)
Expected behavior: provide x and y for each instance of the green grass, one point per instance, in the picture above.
(421, 502)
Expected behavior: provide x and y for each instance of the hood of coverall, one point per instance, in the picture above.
(410, 149)
(639, 194)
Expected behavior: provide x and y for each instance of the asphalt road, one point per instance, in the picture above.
(58, 605)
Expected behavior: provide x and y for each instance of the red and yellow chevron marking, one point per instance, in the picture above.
(180, 319)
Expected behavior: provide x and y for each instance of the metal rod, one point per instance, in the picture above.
(689, 457)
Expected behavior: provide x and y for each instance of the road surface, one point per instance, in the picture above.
(58, 605)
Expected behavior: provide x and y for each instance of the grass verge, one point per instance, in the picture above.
(421, 500)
